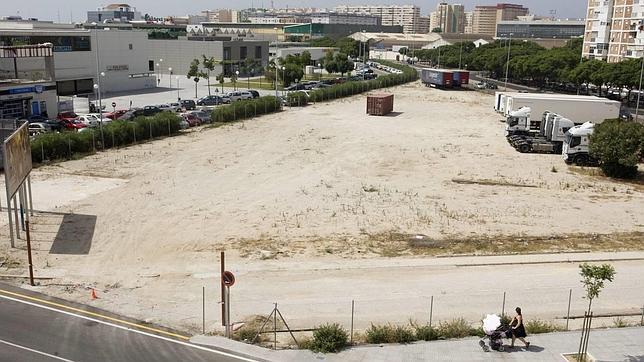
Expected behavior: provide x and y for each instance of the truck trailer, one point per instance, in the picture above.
(579, 109)
(438, 78)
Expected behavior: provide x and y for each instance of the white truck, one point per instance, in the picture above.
(549, 139)
(576, 145)
(579, 109)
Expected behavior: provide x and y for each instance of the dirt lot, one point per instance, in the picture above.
(325, 181)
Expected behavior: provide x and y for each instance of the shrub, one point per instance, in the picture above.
(538, 326)
(456, 328)
(619, 322)
(425, 333)
(68, 145)
(329, 338)
(389, 334)
(246, 109)
(297, 99)
(618, 145)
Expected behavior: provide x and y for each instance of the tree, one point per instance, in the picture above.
(233, 79)
(329, 63)
(209, 66)
(221, 78)
(195, 74)
(593, 279)
(437, 30)
(403, 51)
(348, 46)
(618, 145)
(343, 64)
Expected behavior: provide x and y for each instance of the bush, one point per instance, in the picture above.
(426, 333)
(246, 109)
(67, 145)
(389, 334)
(297, 99)
(537, 326)
(329, 338)
(456, 328)
(618, 145)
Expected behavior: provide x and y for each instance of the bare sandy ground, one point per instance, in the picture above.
(312, 184)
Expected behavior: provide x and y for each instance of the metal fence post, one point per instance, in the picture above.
(431, 311)
(203, 309)
(642, 320)
(568, 314)
(352, 311)
(503, 307)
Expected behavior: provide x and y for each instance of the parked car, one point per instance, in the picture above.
(88, 120)
(254, 93)
(310, 85)
(170, 107)
(72, 125)
(239, 95)
(204, 117)
(131, 114)
(191, 119)
(225, 98)
(246, 94)
(38, 128)
(295, 87)
(211, 100)
(183, 124)
(188, 104)
(150, 110)
(67, 116)
(116, 114)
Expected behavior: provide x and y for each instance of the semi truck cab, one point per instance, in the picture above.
(519, 122)
(576, 145)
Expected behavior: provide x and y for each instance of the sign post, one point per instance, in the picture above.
(114, 106)
(228, 280)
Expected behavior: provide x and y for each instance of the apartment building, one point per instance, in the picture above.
(469, 22)
(349, 19)
(406, 16)
(614, 30)
(448, 18)
(485, 18)
(423, 25)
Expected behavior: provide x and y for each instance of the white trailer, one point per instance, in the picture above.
(579, 109)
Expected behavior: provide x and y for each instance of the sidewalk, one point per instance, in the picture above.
(624, 344)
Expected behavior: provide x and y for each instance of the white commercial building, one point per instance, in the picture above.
(406, 16)
(350, 19)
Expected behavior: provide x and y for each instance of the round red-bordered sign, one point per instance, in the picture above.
(228, 278)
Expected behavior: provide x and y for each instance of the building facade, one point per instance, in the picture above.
(424, 25)
(485, 18)
(114, 12)
(614, 30)
(350, 19)
(469, 22)
(448, 18)
(406, 16)
(540, 29)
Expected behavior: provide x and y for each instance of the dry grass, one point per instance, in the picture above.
(487, 182)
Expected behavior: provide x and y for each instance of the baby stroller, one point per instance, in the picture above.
(495, 332)
(496, 339)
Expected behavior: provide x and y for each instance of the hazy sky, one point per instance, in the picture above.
(64, 9)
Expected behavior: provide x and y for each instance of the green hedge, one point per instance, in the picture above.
(246, 109)
(68, 145)
(348, 89)
(297, 99)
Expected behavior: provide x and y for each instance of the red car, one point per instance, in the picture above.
(191, 119)
(72, 125)
(116, 114)
(67, 116)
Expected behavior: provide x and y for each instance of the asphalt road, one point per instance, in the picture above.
(36, 328)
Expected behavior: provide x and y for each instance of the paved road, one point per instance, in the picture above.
(37, 328)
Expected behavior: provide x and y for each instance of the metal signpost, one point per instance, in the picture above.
(228, 280)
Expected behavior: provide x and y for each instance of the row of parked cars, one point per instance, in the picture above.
(217, 99)
(383, 67)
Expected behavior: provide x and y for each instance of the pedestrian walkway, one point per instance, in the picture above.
(623, 344)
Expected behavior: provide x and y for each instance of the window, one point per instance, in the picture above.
(130, 46)
(151, 65)
(575, 141)
(243, 53)
(227, 53)
(258, 52)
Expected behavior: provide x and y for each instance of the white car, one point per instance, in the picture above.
(239, 95)
(171, 107)
(92, 119)
(38, 128)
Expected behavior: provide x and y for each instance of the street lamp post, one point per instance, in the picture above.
(170, 80)
(639, 91)
(275, 66)
(319, 72)
(97, 86)
(236, 78)
(178, 95)
(158, 75)
(507, 65)
(283, 80)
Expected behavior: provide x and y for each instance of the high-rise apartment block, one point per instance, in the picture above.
(614, 30)
(448, 18)
(406, 16)
(485, 18)
(469, 22)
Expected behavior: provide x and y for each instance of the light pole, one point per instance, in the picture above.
(236, 78)
(170, 80)
(178, 96)
(283, 80)
(460, 56)
(97, 86)
(275, 66)
(158, 75)
(507, 65)
(319, 72)
(639, 91)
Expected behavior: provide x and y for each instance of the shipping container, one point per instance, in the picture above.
(437, 78)
(380, 104)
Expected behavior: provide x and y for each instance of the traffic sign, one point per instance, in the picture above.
(114, 104)
(228, 278)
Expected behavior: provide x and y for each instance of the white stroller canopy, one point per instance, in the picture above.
(491, 323)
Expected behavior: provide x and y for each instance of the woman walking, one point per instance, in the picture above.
(518, 329)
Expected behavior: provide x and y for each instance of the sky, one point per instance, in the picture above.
(76, 9)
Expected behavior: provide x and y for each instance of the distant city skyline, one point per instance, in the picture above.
(63, 10)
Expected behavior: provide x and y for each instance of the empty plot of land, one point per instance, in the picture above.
(325, 179)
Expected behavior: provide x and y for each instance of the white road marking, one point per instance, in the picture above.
(129, 329)
(35, 351)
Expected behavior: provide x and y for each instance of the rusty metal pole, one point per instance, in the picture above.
(31, 267)
(568, 315)
(352, 312)
(223, 293)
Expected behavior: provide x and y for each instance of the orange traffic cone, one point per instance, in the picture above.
(93, 294)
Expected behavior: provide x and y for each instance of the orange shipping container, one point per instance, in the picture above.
(380, 104)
